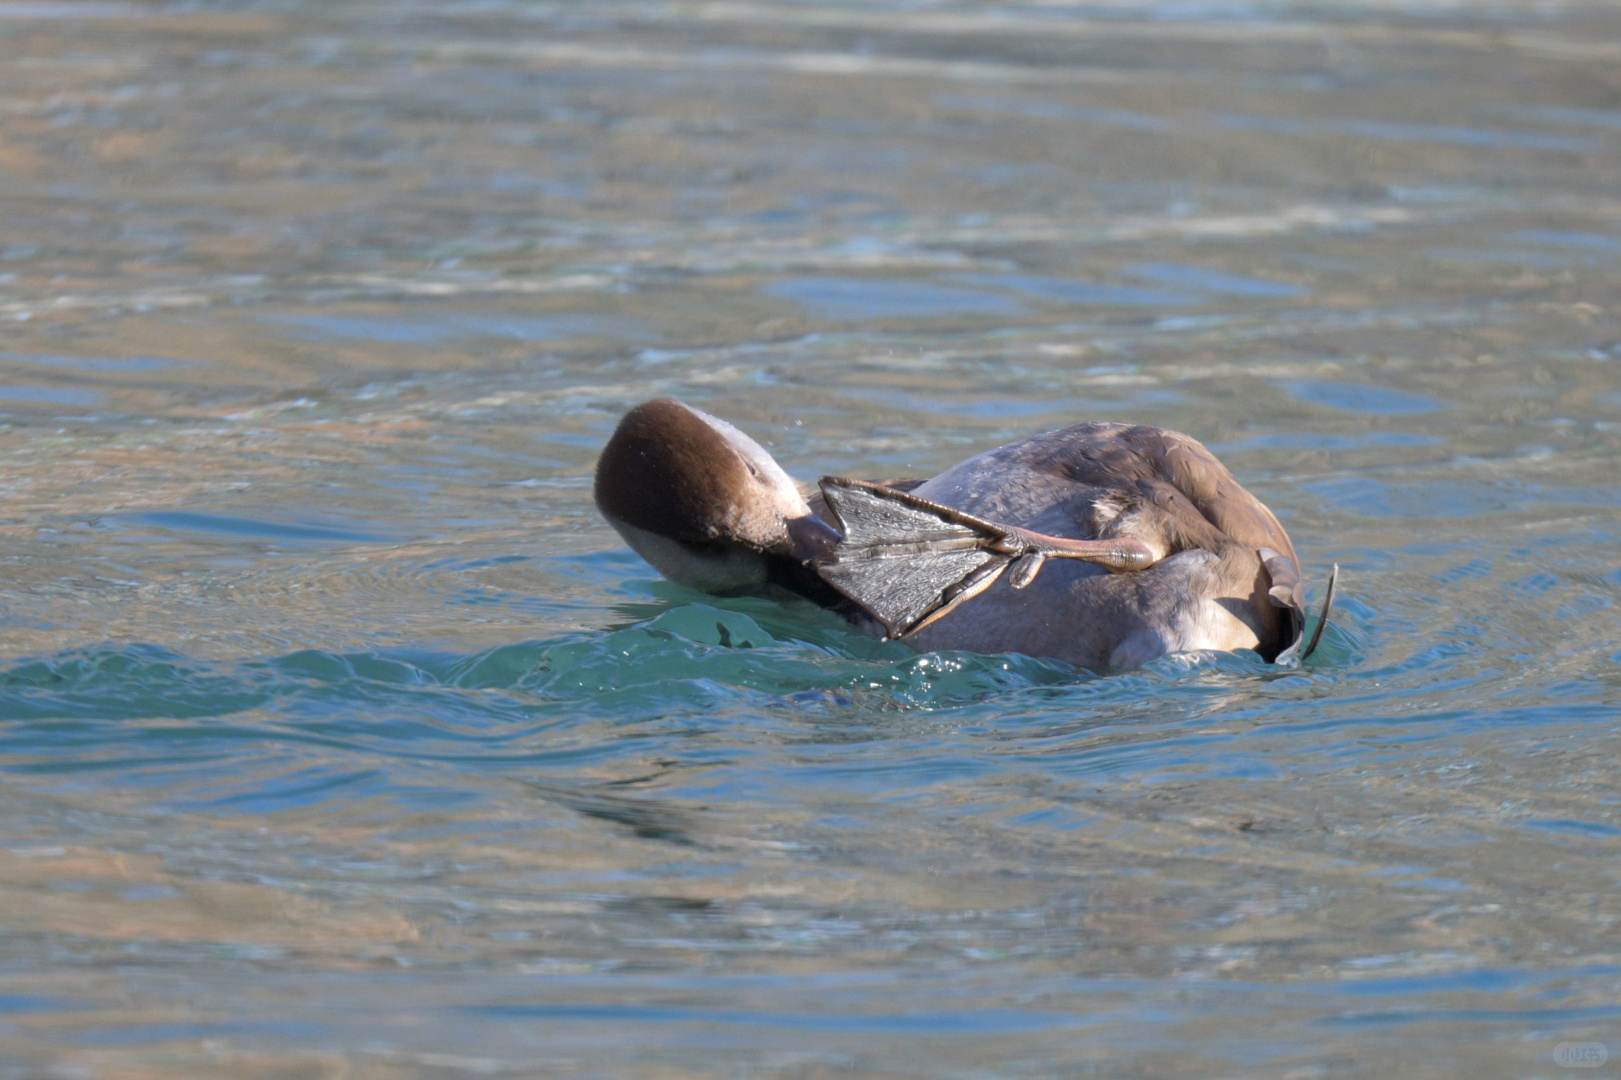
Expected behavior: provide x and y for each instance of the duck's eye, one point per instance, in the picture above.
(750, 466)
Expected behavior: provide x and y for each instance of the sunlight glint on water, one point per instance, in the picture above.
(339, 736)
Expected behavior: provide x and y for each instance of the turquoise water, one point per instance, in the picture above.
(340, 737)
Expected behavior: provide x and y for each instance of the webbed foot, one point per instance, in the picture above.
(909, 561)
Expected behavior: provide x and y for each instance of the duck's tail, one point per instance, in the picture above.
(1322, 619)
(1303, 646)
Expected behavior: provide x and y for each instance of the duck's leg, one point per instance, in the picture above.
(1117, 554)
(908, 560)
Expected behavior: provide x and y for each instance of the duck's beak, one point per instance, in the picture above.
(810, 537)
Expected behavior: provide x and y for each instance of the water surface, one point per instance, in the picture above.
(339, 736)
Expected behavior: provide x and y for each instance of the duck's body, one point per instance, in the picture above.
(1072, 513)
(1207, 589)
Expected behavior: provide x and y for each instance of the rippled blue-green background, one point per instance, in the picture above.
(340, 738)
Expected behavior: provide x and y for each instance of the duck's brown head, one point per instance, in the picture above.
(701, 501)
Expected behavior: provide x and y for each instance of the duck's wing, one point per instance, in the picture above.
(1198, 501)
(1222, 501)
(908, 560)
(1186, 499)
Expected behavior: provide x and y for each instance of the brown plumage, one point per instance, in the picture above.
(1123, 542)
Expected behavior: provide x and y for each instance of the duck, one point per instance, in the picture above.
(1103, 545)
